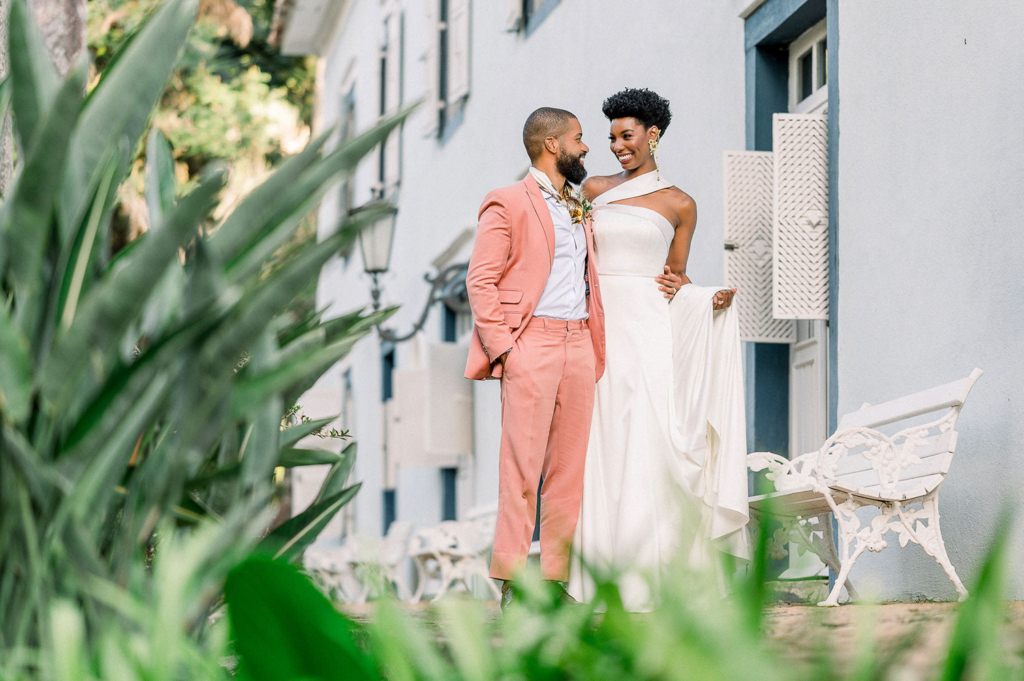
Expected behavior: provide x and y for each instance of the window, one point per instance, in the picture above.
(808, 71)
(526, 15)
(390, 101)
(346, 130)
(448, 505)
(389, 509)
(348, 403)
(454, 324)
(449, 332)
(387, 372)
(447, 62)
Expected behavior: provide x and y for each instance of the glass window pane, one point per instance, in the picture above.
(822, 64)
(806, 85)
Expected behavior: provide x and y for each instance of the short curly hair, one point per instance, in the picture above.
(649, 108)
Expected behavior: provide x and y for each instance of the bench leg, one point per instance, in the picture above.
(930, 539)
(818, 540)
(849, 527)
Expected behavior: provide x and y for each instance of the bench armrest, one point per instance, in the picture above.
(787, 474)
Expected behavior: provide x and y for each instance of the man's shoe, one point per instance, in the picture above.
(563, 595)
(508, 594)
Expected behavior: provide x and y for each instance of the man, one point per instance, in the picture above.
(539, 327)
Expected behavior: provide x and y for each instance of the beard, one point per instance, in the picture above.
(571, 167)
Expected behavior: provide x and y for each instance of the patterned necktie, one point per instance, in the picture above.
(568, 199)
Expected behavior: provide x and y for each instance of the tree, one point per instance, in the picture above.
(62, 24)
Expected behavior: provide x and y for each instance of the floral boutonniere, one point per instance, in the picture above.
(588, 208)
(579, 208)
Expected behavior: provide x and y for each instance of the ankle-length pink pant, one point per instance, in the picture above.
(547, 401)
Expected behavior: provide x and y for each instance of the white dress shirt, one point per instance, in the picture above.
(565, 295)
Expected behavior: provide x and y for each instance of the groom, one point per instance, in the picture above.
(539, 327)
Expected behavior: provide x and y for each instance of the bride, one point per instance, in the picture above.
(666, 464)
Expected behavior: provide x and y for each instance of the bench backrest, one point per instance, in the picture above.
(942, 397)
(917, 459)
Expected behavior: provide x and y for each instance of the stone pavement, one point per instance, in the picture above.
(799, 633)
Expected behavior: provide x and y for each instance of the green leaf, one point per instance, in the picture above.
(299, 198)
(404, 649)
(248, 221)
(293, 434)
(288, 541)
(160, 182)
(309, 323)
(81, 256)
(27, 215)
(120, 105)
(361, 325)
(251, 392)
(976, 645)
(15, 371)
(126, 385)
(292, 457)
(116, 302)
(39, 476)
(285, 629)
(274, 293)
(338, 476)
(261, 451)
(34, 78)
(469, 642)
(94, 483)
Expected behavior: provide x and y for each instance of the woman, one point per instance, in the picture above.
(665, 472)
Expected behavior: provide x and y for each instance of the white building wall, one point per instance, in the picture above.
(584, 51)
(930, 250)
(930, 208)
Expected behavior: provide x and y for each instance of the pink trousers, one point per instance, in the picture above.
(547, 401)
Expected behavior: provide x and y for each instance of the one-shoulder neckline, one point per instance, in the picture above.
(657, 219)
(641, 185)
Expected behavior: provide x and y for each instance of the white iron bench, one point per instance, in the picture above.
(858, 467)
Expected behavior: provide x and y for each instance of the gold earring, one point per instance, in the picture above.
(653, 145)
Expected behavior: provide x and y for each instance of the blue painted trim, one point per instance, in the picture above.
(749, 376)
(832, 36)
(539, 15)
(767, 73)
(767, 33)
(779, 22)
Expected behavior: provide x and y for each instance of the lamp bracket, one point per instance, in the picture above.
(447, 286)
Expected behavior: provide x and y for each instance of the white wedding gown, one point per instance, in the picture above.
(666, 465)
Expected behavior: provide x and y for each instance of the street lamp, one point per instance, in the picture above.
(375, 242)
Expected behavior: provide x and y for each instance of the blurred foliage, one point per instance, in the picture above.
(142, 399)
(142, 392)
(232, 97)
(279, 627)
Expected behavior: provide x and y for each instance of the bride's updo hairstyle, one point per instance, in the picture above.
(648, 108)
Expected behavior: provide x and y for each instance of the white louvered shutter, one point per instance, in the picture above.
(393, 98)
(800, 229)
(430, 58)
(748, 186)
(458, 50)
(514, 20)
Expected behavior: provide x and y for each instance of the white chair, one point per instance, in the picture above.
(453, 552)
(352, 569)
(859, 467)
(337, 567)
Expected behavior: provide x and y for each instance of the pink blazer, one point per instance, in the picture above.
(511, 262)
